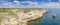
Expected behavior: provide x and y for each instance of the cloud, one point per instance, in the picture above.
(29, 4)
(59, 0)
(51, 5)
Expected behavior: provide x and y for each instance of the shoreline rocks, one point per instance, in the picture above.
(31, 15)
(24, 17)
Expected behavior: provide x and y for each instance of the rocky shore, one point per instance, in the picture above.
(23, 16)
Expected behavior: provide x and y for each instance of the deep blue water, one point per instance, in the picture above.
(47, 19)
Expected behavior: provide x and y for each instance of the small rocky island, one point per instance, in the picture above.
(22, 17)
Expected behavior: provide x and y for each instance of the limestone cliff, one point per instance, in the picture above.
(23, 16)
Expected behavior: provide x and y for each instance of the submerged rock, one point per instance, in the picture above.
(54, 15)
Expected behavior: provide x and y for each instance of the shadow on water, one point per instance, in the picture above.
(47, 19)
(35, 22)
(38, 21)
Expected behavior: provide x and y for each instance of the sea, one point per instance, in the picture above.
(48, 18)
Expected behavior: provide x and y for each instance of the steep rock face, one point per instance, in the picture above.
(23, 16)
(27, 15)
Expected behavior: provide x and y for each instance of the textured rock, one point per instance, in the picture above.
(23, 16)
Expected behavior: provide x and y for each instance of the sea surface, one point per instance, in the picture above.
(47, 19)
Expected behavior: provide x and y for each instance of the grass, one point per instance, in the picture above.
(7, 10)
(4, 11)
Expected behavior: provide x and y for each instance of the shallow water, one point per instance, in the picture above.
(48, 19)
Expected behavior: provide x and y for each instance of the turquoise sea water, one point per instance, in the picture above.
(47, 19)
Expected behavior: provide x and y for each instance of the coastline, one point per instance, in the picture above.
(23, 17)
(38, 12)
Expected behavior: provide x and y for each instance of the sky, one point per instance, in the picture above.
(29, 3)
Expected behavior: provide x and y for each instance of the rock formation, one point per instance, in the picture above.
(23, 16)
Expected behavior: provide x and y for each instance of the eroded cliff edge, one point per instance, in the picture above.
(22, 17)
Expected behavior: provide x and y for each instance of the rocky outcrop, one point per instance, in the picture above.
(23, 16)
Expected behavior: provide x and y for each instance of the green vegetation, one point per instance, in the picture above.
(2, 11)
(8, 10)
